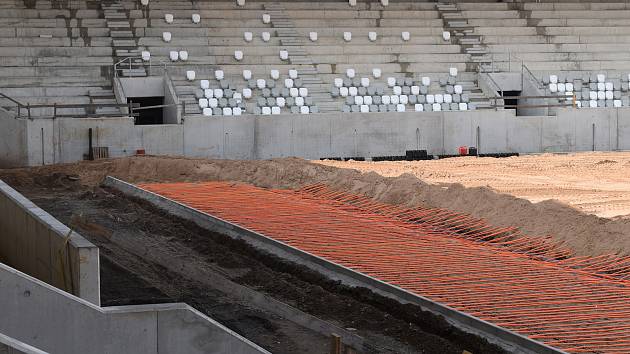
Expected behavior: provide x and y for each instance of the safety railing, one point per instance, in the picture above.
(18, 106)
(129, 63)
(569, 101)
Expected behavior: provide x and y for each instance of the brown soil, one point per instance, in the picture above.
(149, 256)
(586, 234)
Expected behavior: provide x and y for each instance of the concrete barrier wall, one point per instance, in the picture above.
(13, 143)
(36, 313)
(34, 242)
(330, 135)
(10, 345)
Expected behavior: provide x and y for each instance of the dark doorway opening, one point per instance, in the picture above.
(151, 115)
(510, 100)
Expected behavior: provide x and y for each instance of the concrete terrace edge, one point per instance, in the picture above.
(510, 341)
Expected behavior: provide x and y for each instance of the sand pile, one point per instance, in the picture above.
(586, 234)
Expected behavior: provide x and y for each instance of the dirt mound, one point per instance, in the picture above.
(586, 234)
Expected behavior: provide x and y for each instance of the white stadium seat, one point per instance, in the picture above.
(240, 2)
(553, 88)
(405, 36)
(204, 84)
(439, 98)
(394, 99)
(294, 92)
(266, 36)
(561, 87)
(446, 35)
(247, 93)
(350, 73)
(426, 81)
(275, 110)
(146, 55)
(358, 100)
(183, 55)
(347, 36)
(437, 107)
(601, 95)
(281, 102)
(376, 72)
(391, 81)
(190, 75)
(213, 102)
(144, 2)
(248, 36)
(592, 104)
(284, 55)
(553, 79)
(431, 99)
(266, 111)
(400, 108)
(266, 18)
(303, 91)
(415, 90)
(305, 110)
(568, 87)
(218, 93)
(166, 36)
(372, 36)
(385, 2)
(208, 93)
(364, 108)
(343, 92)
(458, 89)
(352, 2)
(203, 102)
(617, 103)
(448, 98)
(601, 78)
(609, 86)
(397, 90)
(288, 83)
(367, 100)
(601, 86)
(247, 74)
(353, 91)
(419, 107)
(168, 18)
(207, 111)
(386, 100)
(365, 82)
(196, 18)
(609, 95)
(338, 82)
(313, 36)
(261, 83)
(463, 106)
(227, 111)
(592, 95)
(238, 55)
(219, 75)
(174, 55)
(274, 74)
(299, 101)
(293, 74)
(452, 72)
(404, 99)
(237, 96)
(237, 111)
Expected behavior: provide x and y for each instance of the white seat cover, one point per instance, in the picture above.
(218, 93)
(463, 106)
(174, 55)
(183, 55)
(227, 111)
(400, 108)
(281, 102)
(293, 74)
(592, 95)
(213, 102)
(248, 36)
(601, 86)
(415, 90)
(616, 103)
(168, 18)
(553, 79)
(238, 55)
(288, 83)
(419, 107)
(347, 36)
(391, 81)
(569, 87)
(372, 36)
(430, 99)
(294, 92)
(146, 55)
(386, 100)
(266, 110)
(196, 18)
(601, 95)
(219, 75)
(365, 108)
(299, 101)
(207, 111)
(394, 99)
(247, 93)
(305, 110)
(365, 82)
(190, 75)
(553, 88)
(275, 74)
(261, 83)
(203, 102)
(312, 36)
(437, 107)
(405, 36)
(343, 92)
(439, 98)
(208, 93)
(446, 35)
(452, 71)
(561, 87)
(237, 111)
(284, 55)
(204, 84)
(350, 73)
(609, 95)
(592, 104)
(376, 72)
(397, 90)
(367, 100)
(338, 82)
(266, 18)
(609, 86)
(275, 110)
(247, 74)
(353, 91)
(166, 36)
(448, 98)
(303, 91)
(458, 89)
(426, 81)
(358, 100)
(266, 36)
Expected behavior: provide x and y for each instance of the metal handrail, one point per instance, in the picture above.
(118, 66)
(18, 105)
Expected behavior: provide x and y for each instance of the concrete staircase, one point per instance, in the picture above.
(124, 44)
(294, 44)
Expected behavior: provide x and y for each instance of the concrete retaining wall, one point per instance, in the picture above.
(37, 244)
(10, 345)
(323, 135)
(36, 313)
(12, 141)
(511, 341)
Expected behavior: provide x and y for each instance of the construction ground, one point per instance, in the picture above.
(150, 256)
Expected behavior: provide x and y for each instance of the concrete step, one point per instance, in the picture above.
(121, 34)
(124, 43)
(134, 72)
